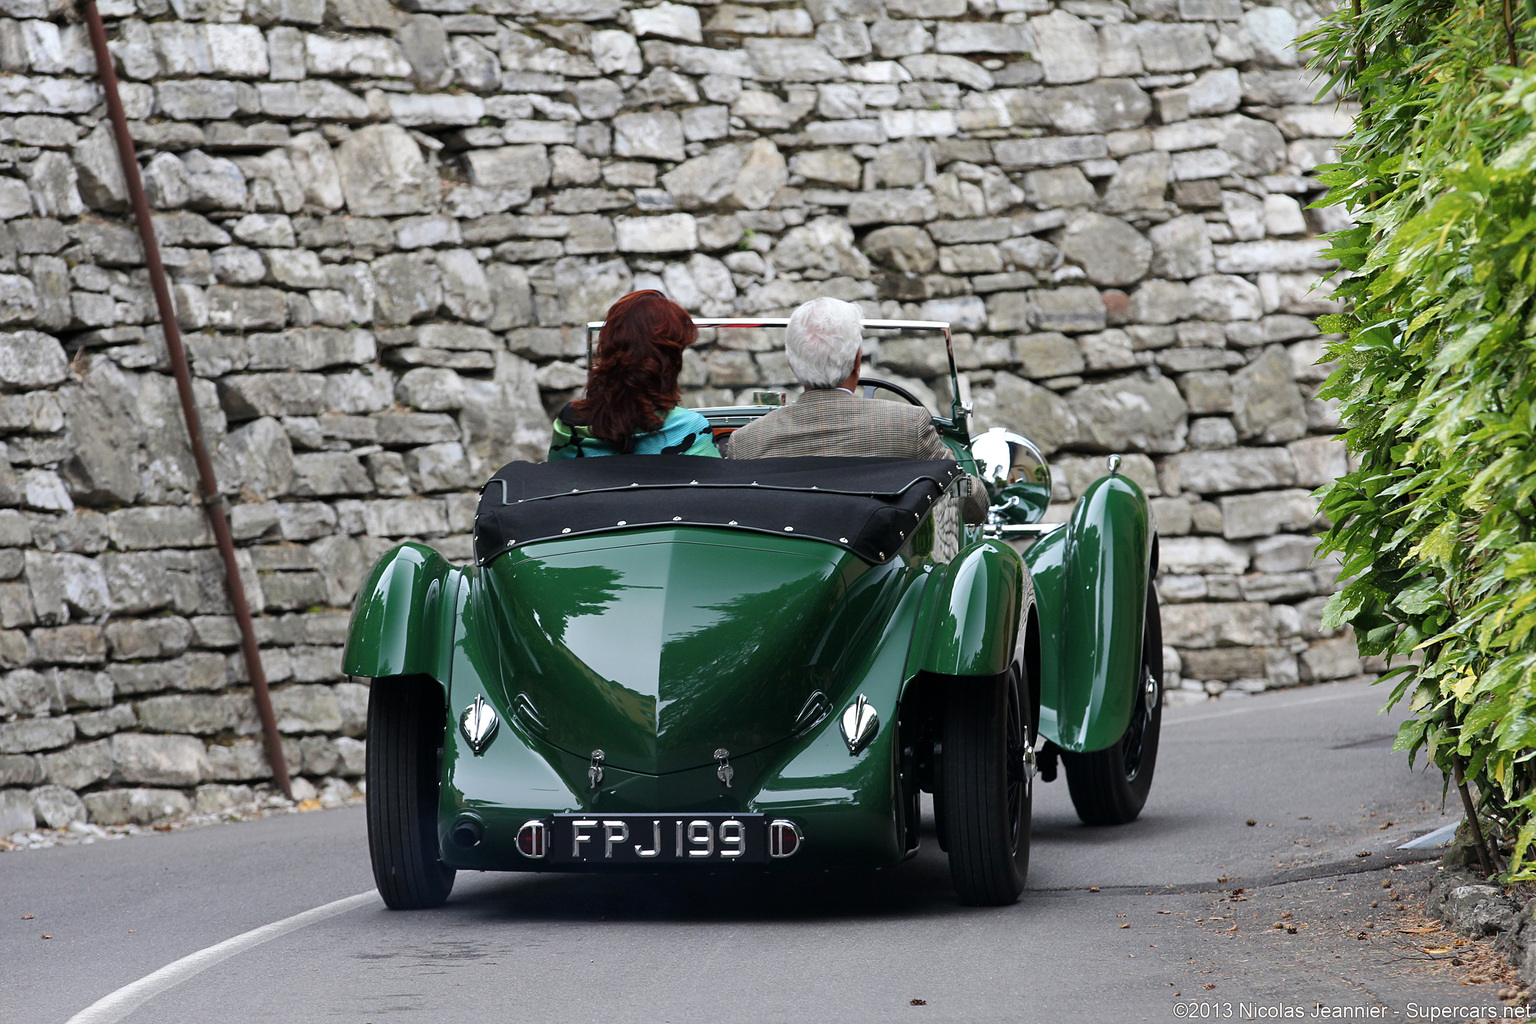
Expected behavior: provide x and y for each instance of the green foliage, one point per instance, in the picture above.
(1437, 380)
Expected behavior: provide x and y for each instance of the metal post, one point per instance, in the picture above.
(213, 503)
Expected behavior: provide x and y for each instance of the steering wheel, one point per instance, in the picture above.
(873, 384)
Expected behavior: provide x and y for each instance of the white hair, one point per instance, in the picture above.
(822, 341)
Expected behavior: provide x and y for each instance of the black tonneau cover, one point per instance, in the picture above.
(866, 505)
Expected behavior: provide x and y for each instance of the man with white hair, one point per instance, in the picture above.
(824, 342)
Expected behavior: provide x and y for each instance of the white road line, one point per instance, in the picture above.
(1262, 705)
(114, 1007)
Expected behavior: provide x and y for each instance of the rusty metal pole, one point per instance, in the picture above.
(213, 502)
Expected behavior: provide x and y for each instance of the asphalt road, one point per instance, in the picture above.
(1312, 769)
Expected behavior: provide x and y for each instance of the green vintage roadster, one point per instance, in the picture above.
(705, 663)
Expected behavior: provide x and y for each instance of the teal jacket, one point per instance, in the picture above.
(683, 432)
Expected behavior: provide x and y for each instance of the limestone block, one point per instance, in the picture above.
(675, 232)
(524, 166)
(408, 287)
(1110, 251)
(423, 44)
(1070, 309)
(893, 206)
(355, 55)
(285, 53)
(1131, 413)
(824, 244)
(405, 518)
(1036, 412)
(655, 135)
(100, 174)
(1220, 472)
(1267, 405)
(247, 396)
(845, 40)
(1049, 355)
(1330, 659)
(902, 247)
(1059, 186)
(1048, 152)
(1282, 88)
(614, 51)
(669, 21)
(21, 94)
(213, 183)
(1261, 515)
(54, 184)
(1205, 625)
(793, 60)
(315, 166)
(1106, 105)
(135, 806)
(1066, 47)
(30, 359)
(199, 714)
(832, 166)
(1225, 297)
(1271, 33)
(135, 639)
(895, 38)
(436, 109)
(80, 765)
(1172, 47)
(383, 173)
(20, 770)
(16, 812)
(318, 474)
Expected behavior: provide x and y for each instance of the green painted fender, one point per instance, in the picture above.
(969, 622)
(1091, 589)
(402, 623)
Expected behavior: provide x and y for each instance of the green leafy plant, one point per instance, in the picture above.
(1436, 384)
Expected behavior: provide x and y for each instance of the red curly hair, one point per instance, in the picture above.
(632, 383)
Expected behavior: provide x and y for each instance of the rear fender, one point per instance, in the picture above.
(969, 622)
(402, 623)
(1090, 582)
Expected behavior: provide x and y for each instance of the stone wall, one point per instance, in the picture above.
(386, 226)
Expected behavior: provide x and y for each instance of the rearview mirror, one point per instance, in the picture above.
(1016, 474)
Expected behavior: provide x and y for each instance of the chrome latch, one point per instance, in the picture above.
(479, 723)
(859, 724)
(725, 773)
(595, 770)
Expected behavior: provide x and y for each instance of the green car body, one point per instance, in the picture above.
(661, 645)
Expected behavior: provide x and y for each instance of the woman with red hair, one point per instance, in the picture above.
(630, 406)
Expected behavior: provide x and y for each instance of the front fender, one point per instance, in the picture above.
(969, 622)
(402, 623)
(1091, 588)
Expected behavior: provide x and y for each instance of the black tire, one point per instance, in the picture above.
(405, 738)
(987, 780)
(1110, 786)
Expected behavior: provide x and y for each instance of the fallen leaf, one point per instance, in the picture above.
(1126, 925)
(1420, 929)
(47, 936)
(309, 805)
(1093, 888)
(26, 917)
(918, 1002)
(1290, 929)
(1363, 853)
(1208, 986)
(1165, 911)
(1233, 928)
(1251, 822)
(1386, 826)
(162, 828)
(1222, 880)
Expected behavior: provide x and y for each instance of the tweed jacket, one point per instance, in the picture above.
(833, 422)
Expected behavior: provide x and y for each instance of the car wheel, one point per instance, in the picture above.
(1110, 786)
(988, 787)
(405, 739)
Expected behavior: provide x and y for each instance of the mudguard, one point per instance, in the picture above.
(1090, 583)
(403, 621)
(969, 622)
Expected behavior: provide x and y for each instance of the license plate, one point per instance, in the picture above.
(658, 839)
